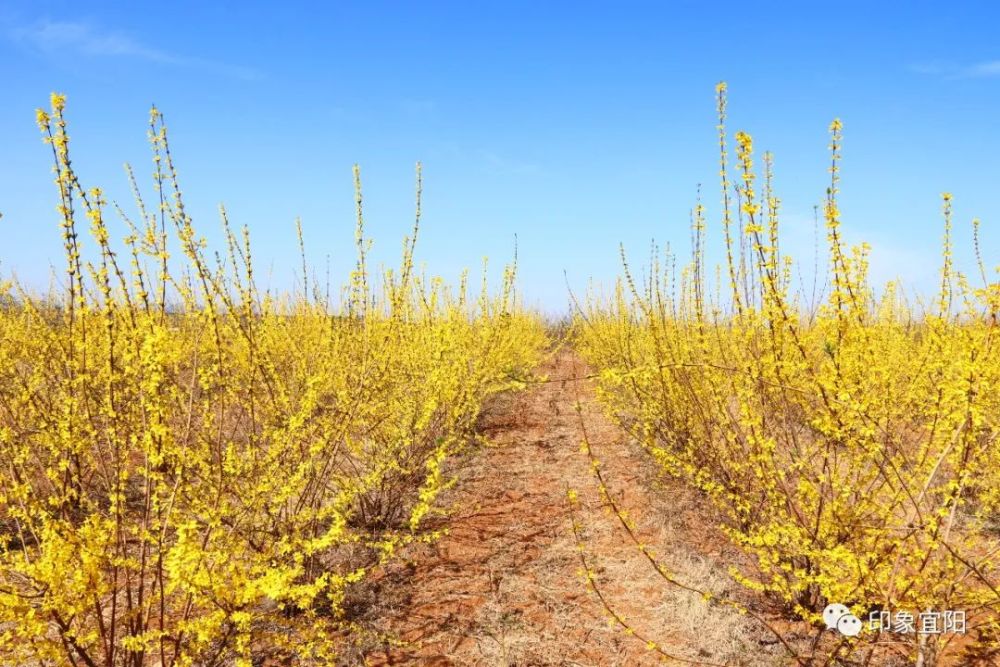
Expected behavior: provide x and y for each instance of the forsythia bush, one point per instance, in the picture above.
(851, 452)
(193, 472)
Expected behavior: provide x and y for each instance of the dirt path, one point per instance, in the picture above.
(504, 586)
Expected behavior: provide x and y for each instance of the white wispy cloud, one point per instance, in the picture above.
(87, 39)
(982, 70)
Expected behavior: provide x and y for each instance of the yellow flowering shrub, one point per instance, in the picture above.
(852, 452)
(193, 471)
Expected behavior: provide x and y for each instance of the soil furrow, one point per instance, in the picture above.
(504, 586)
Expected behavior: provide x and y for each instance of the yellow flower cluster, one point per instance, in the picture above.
(191, 470)
(851, 450)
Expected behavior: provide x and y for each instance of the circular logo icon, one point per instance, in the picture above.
(849, 625)
(833, 613)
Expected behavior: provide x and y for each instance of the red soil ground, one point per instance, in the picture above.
(504, 585)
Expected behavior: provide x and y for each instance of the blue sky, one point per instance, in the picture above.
(575, 126)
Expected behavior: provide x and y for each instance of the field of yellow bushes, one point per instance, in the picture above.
(196, 472)
(850, 453)
(191, 470)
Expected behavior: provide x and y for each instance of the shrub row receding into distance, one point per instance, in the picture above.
(850, 451)
(196, 472)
